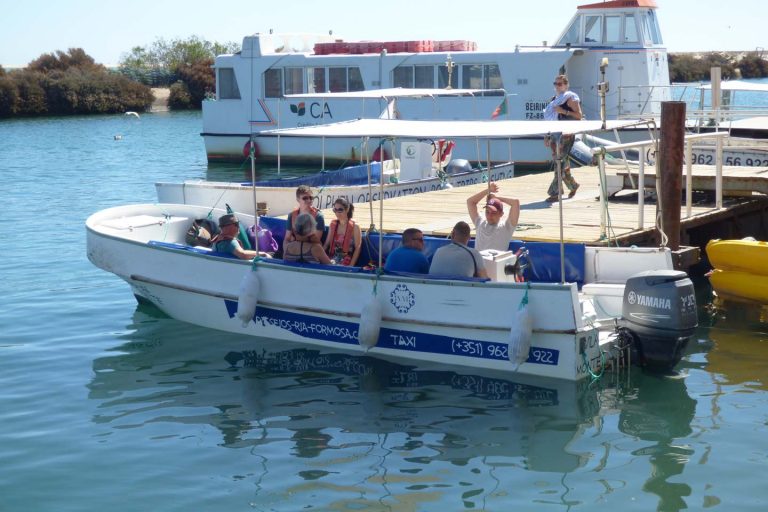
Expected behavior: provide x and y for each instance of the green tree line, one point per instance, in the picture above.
(71, 82)
(686, 67)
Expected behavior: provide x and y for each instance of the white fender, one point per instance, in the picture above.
(520, 333)
(249, 296)
(370, 323)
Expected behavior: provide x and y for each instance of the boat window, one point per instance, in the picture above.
(571, 36)
(356, 80)
(294, 80)
(402, 76)
(337, 79)
(227, 84)
(612, 29)
(481, 76)
(493, 77)
(654, 28)
(630, 29)
(472, 76)
(316, 80)
(424, 76)
(593, 29)
(273, 83)
(442, 77)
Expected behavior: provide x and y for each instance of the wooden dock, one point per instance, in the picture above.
(435, 213)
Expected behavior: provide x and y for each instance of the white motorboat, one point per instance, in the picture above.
(413, 172)
(560, 327)
(616, 42)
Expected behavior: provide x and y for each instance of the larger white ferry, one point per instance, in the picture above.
(618, 42)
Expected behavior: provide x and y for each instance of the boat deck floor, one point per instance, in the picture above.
(435, 213)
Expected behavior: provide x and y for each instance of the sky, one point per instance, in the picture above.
(106, 29)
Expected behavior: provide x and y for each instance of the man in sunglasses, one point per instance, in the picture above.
(304, 198)
(409, 256)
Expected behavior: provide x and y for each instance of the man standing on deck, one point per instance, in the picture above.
(490, 232)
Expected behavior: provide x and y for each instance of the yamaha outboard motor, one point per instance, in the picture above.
(659, 312)
(458, 165)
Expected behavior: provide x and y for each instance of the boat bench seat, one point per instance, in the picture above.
(603, 289)
(188, 248)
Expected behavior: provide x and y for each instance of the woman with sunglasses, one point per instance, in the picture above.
(304, 199)
(565, 106)
(345, 239)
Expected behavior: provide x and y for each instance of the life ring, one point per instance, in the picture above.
(247, 149)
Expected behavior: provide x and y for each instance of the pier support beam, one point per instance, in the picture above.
(670, 169)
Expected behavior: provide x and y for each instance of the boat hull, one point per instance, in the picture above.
(734, 283)
(743, 255)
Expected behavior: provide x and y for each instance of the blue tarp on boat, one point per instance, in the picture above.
(354, 175)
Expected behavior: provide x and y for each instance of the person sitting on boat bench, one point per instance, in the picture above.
(456, 258)
(304, 197)
(491, 233)
(226, 241)
(408, 257)
(304, 248)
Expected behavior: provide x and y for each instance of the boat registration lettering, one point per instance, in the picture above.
(546, 356)
(535, 109)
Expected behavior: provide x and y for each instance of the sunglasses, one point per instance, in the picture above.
(306, 198)
(339, 210)
(558, 83)
(420, 239)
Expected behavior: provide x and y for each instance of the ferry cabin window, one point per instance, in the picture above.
(409, 77)
(345, 79)
(294, 80)
(593, 29)
(402, 76)
(227, 84)
(572, 35)
(273, 83)
(612, 29)
(442, 77)
(316, 80)
(477, 76)
(652, 27)
(630, 29)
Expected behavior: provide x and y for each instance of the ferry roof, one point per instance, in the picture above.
(400, 92)
(491, 129)
(620, 4)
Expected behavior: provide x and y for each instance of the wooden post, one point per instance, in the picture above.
(670, 169)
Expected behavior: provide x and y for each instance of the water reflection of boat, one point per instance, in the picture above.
(175, 372)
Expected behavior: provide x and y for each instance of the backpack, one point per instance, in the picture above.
(261, 239)
(201, 232)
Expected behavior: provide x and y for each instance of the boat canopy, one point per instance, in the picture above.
(400, 92)
(397, 128)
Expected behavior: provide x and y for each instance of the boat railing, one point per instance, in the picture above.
(642, 147)
(644, 101)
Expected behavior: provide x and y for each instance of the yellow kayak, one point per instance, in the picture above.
(743, 255)
(740, 284)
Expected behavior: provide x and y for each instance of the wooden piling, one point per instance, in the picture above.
(670, 165)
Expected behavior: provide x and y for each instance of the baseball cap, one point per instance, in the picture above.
(495, 205)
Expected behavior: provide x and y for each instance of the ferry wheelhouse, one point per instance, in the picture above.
(283, 81)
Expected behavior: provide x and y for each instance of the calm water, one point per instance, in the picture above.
(105, 405)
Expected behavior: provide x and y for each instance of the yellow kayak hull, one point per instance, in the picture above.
(740, 284)
(743, 255)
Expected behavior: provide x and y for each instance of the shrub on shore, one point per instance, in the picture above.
(684, 67)
(69, 83)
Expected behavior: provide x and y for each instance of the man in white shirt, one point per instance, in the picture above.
(491, 233)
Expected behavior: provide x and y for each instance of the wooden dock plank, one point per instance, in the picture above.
(437, 212)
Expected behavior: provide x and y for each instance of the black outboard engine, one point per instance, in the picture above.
(659, 312)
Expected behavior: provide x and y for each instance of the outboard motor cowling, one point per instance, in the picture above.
(659, 311)
(458, 165)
